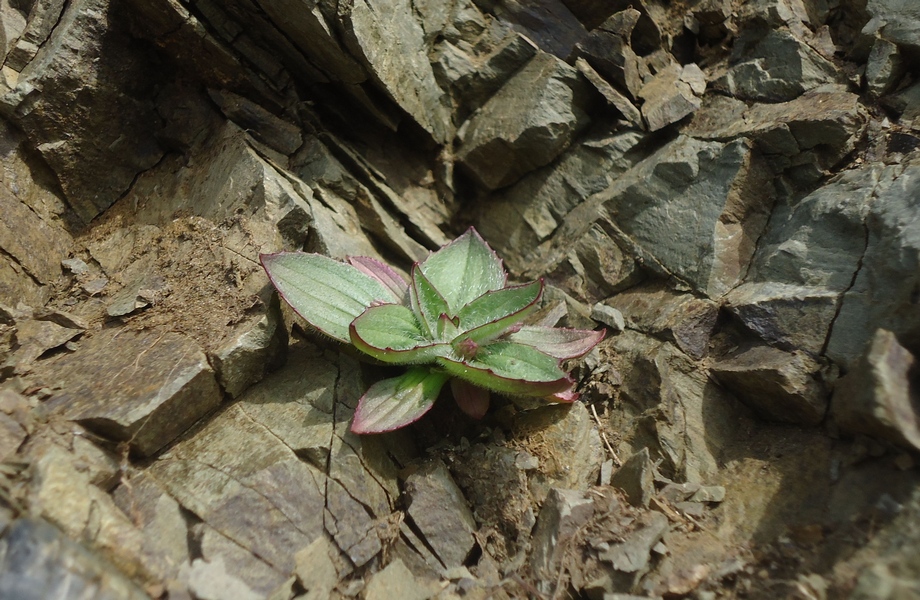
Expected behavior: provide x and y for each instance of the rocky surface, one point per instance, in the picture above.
(731, 189)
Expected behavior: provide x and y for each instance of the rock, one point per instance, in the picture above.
(265, 127)
(668, 98)
(143, 388)
(521, 216)
(96, 148)
(406, 76)
(247, 568)
(245, 359)
(247, 485)
(632, 555)
(396, 581)
(787, 316)
(883, 294)
(15, 423)
(63, 494)
(476, 78)
(315, 569)
(602, 266)
(884, 69)
(437, 507)
(38, 560)
(778, 385)
(607, 50)
(562, 513)
(609, 316)
(817, 129)
(709, 493)
(775, 68)
(559, 431)
(527, 124)
(549, 23)
(672, 191)
(877, 397)
(610, 94)
(211, 581)
(36, 337)
(906, 104)
(636, 478)
(895, 21)
(682, 318)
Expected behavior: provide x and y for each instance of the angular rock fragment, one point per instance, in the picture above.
(527, 124)
(669, 96)
(885, 290)
(396, 581)
(247, 568)
(144, 388)
(788, 316)
(315, 568)
(92, 129)
(878, 397)
(265, 127)
(896, 21)
(884, 68)
(212, 581)
(240, 480)
(607, 50)
(686, 320)
(39, 562)
(778, 385)
(406, 76)
(610, 94)
(777, 67)
(439, 511)
(675, 190)
(562, 513)
(609, 316)
(636, 478)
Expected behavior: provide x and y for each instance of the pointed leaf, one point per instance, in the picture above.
(557, 341)
(464, 269)
(397, 402)
(488, 316)
(510, 368)
(383, 273)
(472, 400)
(391, 333)
(427, 302)
(327, 293)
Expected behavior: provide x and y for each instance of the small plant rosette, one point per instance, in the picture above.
(456, 320)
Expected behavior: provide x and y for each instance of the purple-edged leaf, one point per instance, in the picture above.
(383, 273)
(463, 270)
(327, 293)
(397, 402)
(488, 316)
(566, 396)
(391, 333)
(472, 400)
(510, 368)
(427, 302)
(556, 341)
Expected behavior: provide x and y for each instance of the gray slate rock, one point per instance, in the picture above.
(636, 478)
(142, 387)
(686, 320)
(611, 94)
(439, 511)
(632, 555)
(39, 562)
(884, 293)
(878, 397)
(775, 68)
(897, 21)
(778, 385)
(562, 513)
(527, 124)
(669, 97)
(94, 130)
(370, 26)
(884, 67)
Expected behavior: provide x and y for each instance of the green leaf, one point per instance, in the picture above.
(397, 402)
(557, 341)
(392, 333)
(427, 303)
(463, 270)
(383, 273)
(510, 368)
(486, 317)
(327, 293)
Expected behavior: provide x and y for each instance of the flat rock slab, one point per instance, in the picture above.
(439, 510)
(142, 387)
